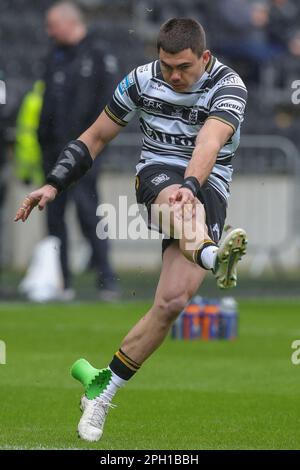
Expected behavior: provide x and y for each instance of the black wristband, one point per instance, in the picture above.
(192, 183)
(73, 162)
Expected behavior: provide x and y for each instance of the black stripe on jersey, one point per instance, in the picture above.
(218, 189)
(153, 68)
(175, 148)
(158, 107)
(122, 105)
(186, 152)
(164, 137)
(143, 126)
(226, 117)
(217, 69)
(221, 67)
(209, 67)
(220, 178)
(221, 74)
(116, 109)
(134, 95)
(160, 100)
(196, 92)
(177, 118)
(157, 68)
(165, 153)
(230, 91)
(217, 75)
(225, 161)
(114, 118)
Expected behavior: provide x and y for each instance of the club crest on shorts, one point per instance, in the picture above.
(193, 117)
(160, 179)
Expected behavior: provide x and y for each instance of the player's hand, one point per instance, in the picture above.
(39, 198)
(182, 196)
(184, 202)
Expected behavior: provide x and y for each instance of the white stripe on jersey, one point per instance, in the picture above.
(170, 121)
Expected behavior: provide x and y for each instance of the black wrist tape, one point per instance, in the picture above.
(73, 162)
(192, 183)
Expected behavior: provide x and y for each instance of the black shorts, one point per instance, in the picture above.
(152, 179)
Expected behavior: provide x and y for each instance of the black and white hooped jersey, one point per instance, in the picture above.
(170, 120)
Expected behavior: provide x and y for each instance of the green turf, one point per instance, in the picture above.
(189, 395)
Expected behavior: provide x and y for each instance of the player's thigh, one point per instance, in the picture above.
(162, 214)
(179, 281)
(164, 196)
(154, 185)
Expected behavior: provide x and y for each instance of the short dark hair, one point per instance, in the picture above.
(178, 34)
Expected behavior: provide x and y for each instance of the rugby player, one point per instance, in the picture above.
(190, 108)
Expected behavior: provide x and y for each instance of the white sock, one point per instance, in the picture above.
(208, 256)
(114, 384)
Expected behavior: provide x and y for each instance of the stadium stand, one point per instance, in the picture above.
(269, 28)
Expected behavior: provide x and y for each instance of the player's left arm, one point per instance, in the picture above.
(211, 138)
(227, 106)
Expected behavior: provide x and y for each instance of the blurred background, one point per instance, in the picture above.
(261, 41)
(241, 394)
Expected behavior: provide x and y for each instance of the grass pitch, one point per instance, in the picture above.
(189, 395)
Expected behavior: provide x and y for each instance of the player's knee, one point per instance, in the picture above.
(170, 307)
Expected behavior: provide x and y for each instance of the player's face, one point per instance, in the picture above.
(183, 69)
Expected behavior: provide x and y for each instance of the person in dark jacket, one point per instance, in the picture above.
(77, 87)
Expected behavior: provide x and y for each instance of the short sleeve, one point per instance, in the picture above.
(125, 100)
(229, 101)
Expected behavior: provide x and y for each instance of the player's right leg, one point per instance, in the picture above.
(230, 251)
(179, 281)
(199, 234)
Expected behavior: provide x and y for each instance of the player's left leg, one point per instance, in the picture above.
(179, 280)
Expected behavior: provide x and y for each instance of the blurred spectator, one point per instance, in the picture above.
(77, 89)
(27, 151)
(284, 16)
(245, 36)
(294, 44)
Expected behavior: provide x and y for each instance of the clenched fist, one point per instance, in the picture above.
(39, 198)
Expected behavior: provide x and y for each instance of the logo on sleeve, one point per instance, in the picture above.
(126, 83)
(232, 80)
(143, 68)
(231, 105)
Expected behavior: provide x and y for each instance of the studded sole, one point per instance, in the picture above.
(236, 248)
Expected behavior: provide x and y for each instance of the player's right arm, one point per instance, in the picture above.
(77, 157)
(89, 145)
